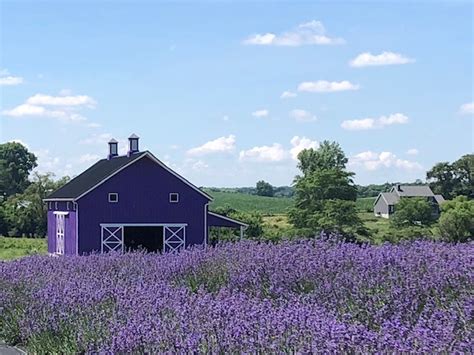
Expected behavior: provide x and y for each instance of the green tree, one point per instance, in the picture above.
(16, 163)
(264, 188)
(456, 222)
(451, 180)
(25, 213)
(254, 221)
(412, 211)
(325, 194)
(441, 179)
(329, 155)
(463, 170)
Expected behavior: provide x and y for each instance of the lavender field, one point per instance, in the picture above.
(313, 296)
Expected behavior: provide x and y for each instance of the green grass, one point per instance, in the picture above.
(250, 203)
(378, 226)
(365, 204)
(12, 248)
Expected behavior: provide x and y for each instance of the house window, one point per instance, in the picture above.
(55, 205)
(50, 205)
(113, 197)
(174, 197)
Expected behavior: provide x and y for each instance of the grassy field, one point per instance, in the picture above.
(268, 205)
(365, 204)
(250, 203)
(378, 226)
(12, 248)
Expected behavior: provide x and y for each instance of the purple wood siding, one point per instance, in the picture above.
(70, 240)
(143, 197)
(51, 232)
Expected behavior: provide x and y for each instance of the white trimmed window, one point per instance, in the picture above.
(113, 197)
(174, 197)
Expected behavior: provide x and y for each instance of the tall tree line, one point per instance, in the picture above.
(22, 211)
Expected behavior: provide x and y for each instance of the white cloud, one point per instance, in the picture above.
(37, 106)
(48, 100)
(97, 139)
(373, 161)
(199, 165)
(221, 144)
(300, 143)
(309, 33)
(385, 58)
(467, 108)
(287, 94)
(273, 153)
(260, 113)
(412, 151)
(327, 86)
(225, 118)
(374, 123)
(9, 80)
(49, 163)
(94, 125)
(25, 110)
(302, 115)
(87, 158)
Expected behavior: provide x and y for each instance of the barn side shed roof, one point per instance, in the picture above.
(217, 220)
(101, 171)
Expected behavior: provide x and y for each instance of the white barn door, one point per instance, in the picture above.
(60, 227)
(174, 238)
(112, 239)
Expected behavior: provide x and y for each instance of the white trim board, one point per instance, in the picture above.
(143, 224)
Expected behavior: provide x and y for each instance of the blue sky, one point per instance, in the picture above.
(203, 84)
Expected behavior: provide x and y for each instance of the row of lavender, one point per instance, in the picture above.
(247, 297)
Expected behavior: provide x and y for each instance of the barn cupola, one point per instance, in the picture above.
(113, 149)
(133, 144)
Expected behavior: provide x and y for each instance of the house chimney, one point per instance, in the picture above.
(113, 149)
(399, 187)
(133, 144)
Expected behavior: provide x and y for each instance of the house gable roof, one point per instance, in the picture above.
(413, 191)
(390, 197)
(102, 171)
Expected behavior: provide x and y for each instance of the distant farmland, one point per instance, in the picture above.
(250, 203)
(266, 205)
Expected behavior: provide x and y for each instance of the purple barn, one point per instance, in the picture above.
(129, 202)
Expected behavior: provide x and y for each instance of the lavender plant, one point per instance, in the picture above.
(311, 296)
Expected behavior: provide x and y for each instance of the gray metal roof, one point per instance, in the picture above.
(413, 190)
(391, 197)
(440, 199)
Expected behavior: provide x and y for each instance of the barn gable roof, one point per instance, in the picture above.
(103, 170)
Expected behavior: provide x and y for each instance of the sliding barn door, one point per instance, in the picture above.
(112, 239)
(174, 238)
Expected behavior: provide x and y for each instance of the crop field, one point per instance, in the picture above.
(312, 296)
(250, 203)
(267, 205)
